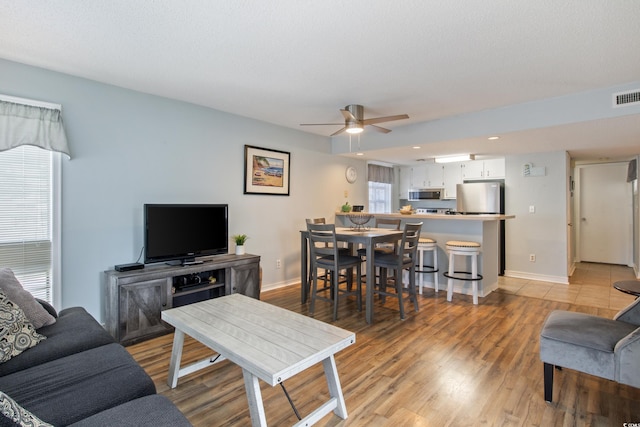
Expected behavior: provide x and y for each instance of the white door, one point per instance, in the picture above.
(604, 214)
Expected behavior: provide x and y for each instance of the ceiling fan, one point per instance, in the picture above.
(354, 121)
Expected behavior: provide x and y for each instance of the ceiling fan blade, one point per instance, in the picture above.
(339, 132)
(384, 119)
(380, 129)
(347, 115)
(321, 124)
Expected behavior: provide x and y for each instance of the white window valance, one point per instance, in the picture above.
(27, 122)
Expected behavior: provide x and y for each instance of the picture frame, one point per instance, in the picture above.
(266, 171)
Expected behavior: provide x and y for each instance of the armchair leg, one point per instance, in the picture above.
(548, 382)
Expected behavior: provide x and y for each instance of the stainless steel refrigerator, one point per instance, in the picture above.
(479, 198)
(485, 197)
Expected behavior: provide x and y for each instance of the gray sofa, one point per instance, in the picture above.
(79, 376)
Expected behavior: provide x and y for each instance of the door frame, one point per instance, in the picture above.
(577, 214)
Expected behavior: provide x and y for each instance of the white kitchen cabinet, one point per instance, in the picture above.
(452, 177)
(483, 169)
(404, 184)
(434, 176)
(494, 168)
(418, 177)
(473, 169)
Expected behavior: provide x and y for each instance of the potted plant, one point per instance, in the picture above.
(240, 239)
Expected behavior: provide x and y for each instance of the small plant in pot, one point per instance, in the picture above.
(240, 239)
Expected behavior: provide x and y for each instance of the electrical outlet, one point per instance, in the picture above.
(346, 193)
(532, 257)
(278, 263)
(532, 209)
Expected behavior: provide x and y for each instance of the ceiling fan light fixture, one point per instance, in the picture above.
(354, 128)
(450, 159)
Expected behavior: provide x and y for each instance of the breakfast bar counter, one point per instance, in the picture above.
(483, 229)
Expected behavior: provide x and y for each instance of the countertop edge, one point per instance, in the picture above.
(481, 217)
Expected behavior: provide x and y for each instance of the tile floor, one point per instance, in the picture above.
(591, 284)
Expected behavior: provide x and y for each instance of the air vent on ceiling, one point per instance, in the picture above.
(623, 99)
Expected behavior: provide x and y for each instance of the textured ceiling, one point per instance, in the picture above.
(290, 61)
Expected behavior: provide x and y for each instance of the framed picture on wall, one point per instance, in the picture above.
(266, 171)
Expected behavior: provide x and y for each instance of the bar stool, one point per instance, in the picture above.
(426, 244)
(467, 249)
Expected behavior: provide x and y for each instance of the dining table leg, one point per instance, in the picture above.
(371, 283)
(304, 263)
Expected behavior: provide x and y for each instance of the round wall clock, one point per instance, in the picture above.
(351, 174)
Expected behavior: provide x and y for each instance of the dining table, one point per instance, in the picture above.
(354, 237)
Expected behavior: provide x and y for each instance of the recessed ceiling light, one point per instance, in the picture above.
(359, 154)
(492, 138)
(415, 147)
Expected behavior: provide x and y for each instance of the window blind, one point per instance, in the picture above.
(26, 217)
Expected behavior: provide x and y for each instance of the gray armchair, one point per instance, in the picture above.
(594, 345)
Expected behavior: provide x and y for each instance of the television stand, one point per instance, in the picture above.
(136, 298)
(191, 262)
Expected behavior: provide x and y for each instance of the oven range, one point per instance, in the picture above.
(423, 211)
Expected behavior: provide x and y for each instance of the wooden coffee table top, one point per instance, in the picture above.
(270, 342)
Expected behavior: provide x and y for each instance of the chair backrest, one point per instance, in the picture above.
(316, 221)
(392, 224)
(409, 245)
(322, 240)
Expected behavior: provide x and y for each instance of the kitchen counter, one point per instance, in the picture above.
(458, 217)
(483, 229)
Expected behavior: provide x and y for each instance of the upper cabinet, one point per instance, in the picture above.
(405, 182)
(448, 175)
(434, 176)
(483, 169)
(418, 177)
(452, 177)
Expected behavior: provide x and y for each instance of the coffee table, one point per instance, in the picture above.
(267, 342)
(631, 287)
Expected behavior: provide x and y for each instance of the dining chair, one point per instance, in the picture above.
(342, 249)
(404, 258)
(325, 254)
(388, 223)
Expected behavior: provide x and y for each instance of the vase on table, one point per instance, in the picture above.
(239, 249)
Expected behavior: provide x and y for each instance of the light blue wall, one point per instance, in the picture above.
(130, 148)
(543, 233)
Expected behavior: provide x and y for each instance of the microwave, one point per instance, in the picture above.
(426, 194)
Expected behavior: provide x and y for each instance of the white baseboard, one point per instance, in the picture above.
(538, 277)
(272, 286)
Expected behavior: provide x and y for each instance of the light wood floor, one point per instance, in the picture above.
(450, 364)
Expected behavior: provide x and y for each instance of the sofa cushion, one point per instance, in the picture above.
(36, 314)
(155, 410)
(18, 414)
(75, 387)
(16, 332)
(75, 331)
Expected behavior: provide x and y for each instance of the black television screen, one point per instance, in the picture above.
(184, 232)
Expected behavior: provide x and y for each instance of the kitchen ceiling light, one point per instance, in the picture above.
(450, 159)
(493, 138)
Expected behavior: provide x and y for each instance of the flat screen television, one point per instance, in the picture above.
(180, 232)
